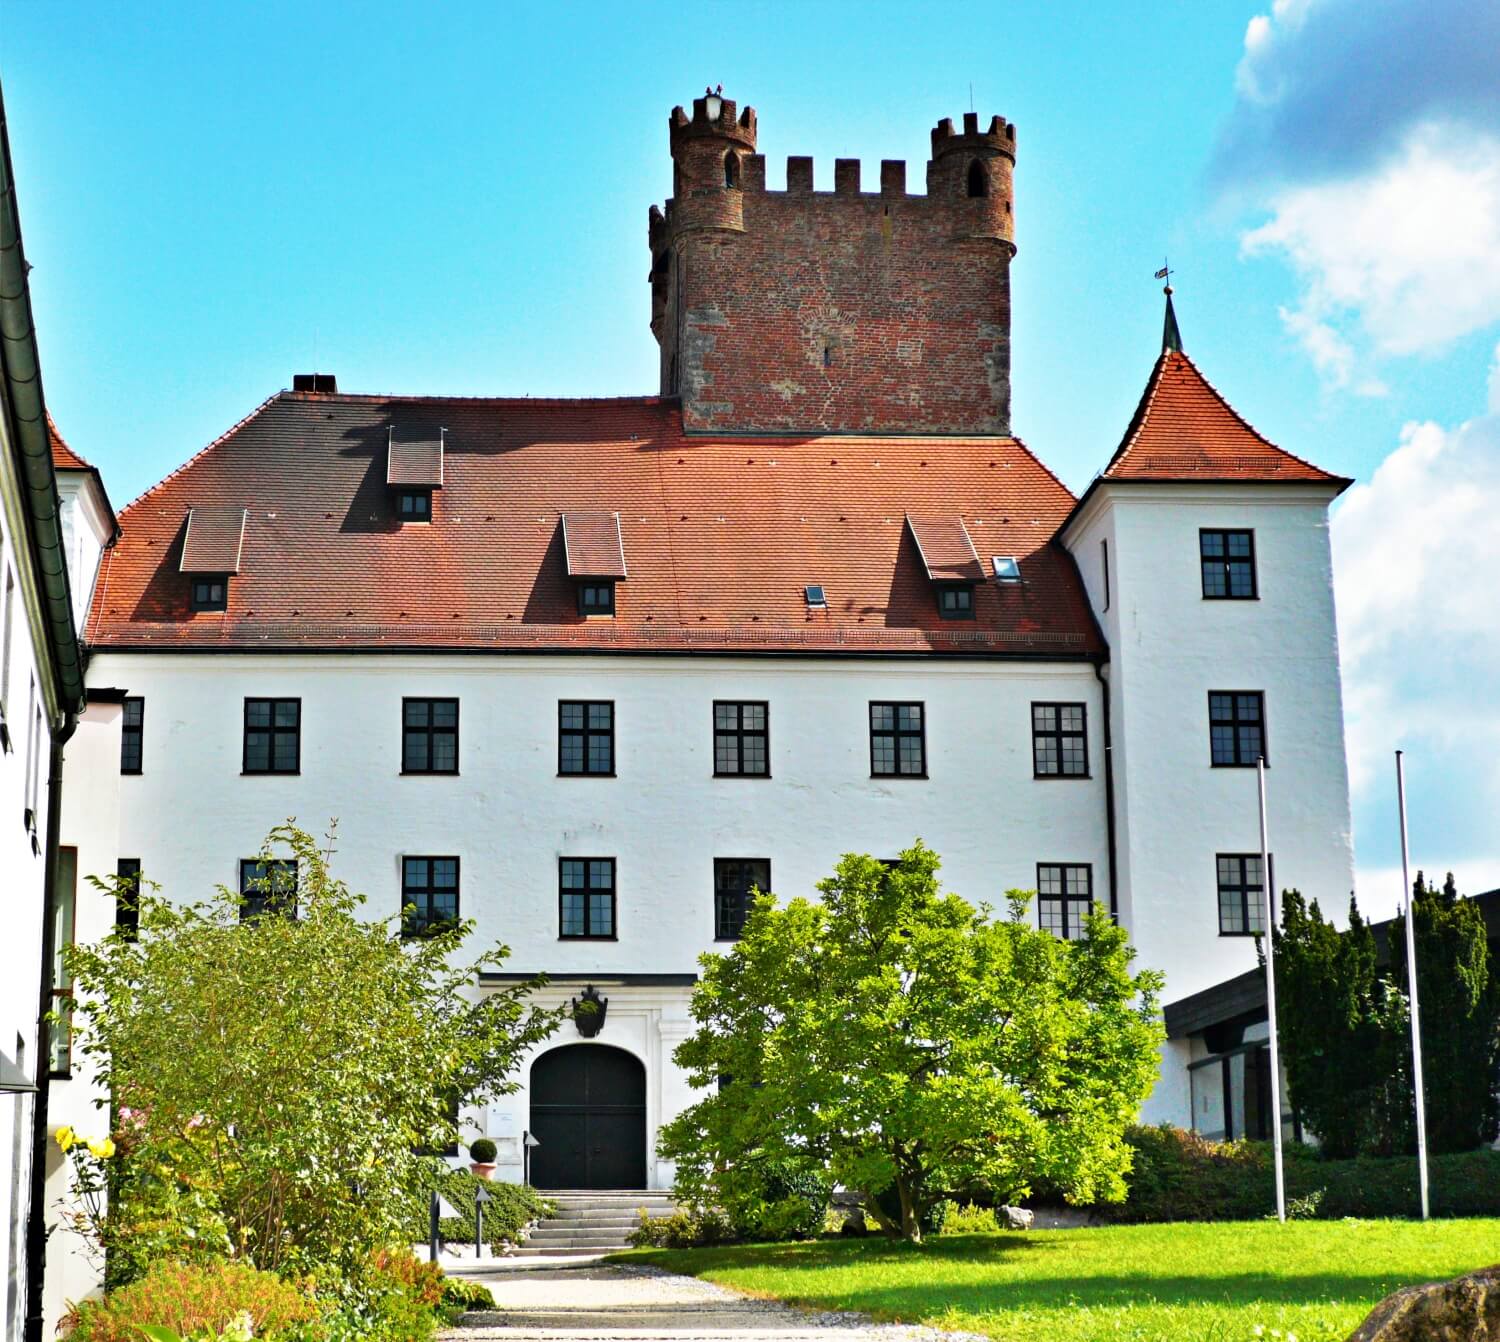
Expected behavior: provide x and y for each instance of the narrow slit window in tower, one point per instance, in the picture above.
(978, 186)
(731, 170)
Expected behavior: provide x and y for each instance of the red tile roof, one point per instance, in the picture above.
(213, 540)
(415, 461)
(63, 456)
(722, 536)
(946, 550)
(592, 545)
(1184, 430)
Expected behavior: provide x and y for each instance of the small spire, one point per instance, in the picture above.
(1171, 337)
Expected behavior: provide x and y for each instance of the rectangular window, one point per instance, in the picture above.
(734, 879)
(210, 593)
(596, 598)
(132, 725)
(268, 887)
(429, 736)
(586, 737)
(740, 739)
(64, 901)
(586, 896)
(273, 736)
(956, 601)
(1237, 726)
(1104, 569)
(414, 505)
(429, 894)
(1228, 559)
(128, 893)
(1241, 895)
(1059, 741)
(898, 741)
(1064, 894)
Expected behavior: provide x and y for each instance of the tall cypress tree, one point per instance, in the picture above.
(1458, 994)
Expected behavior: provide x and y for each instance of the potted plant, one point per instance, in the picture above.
(482, 1157)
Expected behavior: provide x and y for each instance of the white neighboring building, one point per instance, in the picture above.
(581, 674)
(41, 692)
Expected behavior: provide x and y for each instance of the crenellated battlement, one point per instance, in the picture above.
(1000, 138)
(762, 299)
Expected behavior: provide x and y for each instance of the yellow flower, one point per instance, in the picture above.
(66, 1138)
(103, 1149)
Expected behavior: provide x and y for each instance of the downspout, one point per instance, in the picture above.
(1109, 794)
(36, 1215)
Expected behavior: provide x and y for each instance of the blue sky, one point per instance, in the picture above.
(452, 199)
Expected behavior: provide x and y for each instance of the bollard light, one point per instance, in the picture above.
(527, 1143)
(481, 1196)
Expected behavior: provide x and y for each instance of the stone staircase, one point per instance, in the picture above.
(593, 1221)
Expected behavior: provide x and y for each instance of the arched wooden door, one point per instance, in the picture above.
(588, 1111)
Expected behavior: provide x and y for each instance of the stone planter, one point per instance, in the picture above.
(483, 1169)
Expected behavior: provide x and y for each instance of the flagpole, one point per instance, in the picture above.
(1266, 886)
(1411, 989)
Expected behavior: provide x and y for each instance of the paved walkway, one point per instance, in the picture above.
(598, 1302)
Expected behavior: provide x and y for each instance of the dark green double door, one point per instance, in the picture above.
(588, 1111)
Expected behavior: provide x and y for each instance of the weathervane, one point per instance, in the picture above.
(1165, 273)
(1171, 337)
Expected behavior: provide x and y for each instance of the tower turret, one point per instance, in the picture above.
(708, 153)
(976, 166)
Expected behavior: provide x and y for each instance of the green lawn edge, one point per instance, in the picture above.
(1174, 1282)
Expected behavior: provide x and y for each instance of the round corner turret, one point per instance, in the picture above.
(974, 168)
(709, 150)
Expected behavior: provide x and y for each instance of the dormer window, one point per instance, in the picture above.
(413, 469)
(414, 505)
(956, 600)
(211, 592)
(596, 597)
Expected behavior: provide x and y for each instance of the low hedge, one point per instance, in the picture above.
(510, 1207)
(1179, 1176)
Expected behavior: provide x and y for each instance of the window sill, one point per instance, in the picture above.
(1215, 764)
(752, 777)
(1255, 597)
(898, 778)
(270, 773)
(130, 773)
(1061, 778)
(564, 937)
(429, 773)
(1223, 933)
(560, 774)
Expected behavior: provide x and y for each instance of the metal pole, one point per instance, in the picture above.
(1266, 887)
(432, 1228)
(478, 1229)
(1411, 988)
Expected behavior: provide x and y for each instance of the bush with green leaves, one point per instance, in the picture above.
(897, 1036)
(510, 1209)
(482, 1151)
(684, 1228)
(283, 1071)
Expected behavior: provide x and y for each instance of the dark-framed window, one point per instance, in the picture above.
(742, 739)
(1228, 560)
(210, 591)
(273, 736)
(1064, 894)
(414, 505)
(898, 740)
(267, 887)
(1236, 727)
(956, 600)
(127, 897)
(64, 898)
(429, 894)
(734, 879)
(596, 598)
(586, 737)
(429, 736)
(1241, 895)
(132, 727)
(1059, 741)
(586, 897)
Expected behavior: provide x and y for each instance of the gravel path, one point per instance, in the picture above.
(646, 1304)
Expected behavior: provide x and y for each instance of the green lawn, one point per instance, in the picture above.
(1152, 1283)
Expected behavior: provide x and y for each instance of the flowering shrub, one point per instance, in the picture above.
(194, 1302)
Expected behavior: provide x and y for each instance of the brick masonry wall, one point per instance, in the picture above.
(842, 311)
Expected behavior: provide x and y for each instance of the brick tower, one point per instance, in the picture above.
(803, 311)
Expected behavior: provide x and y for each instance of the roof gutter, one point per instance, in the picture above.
(21, 383)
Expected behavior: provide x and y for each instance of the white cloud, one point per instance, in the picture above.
(1332, 355)
(1417, 571)
(1406, 258)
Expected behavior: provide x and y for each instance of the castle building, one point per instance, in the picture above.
(587, 671)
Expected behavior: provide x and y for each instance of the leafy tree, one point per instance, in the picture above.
(898, 1037)
(1340, 1029)
(280, 1074)
(1458, 995)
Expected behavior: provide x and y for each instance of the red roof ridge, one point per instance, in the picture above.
(530, 401)
(199, 454)
(1051, 474)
